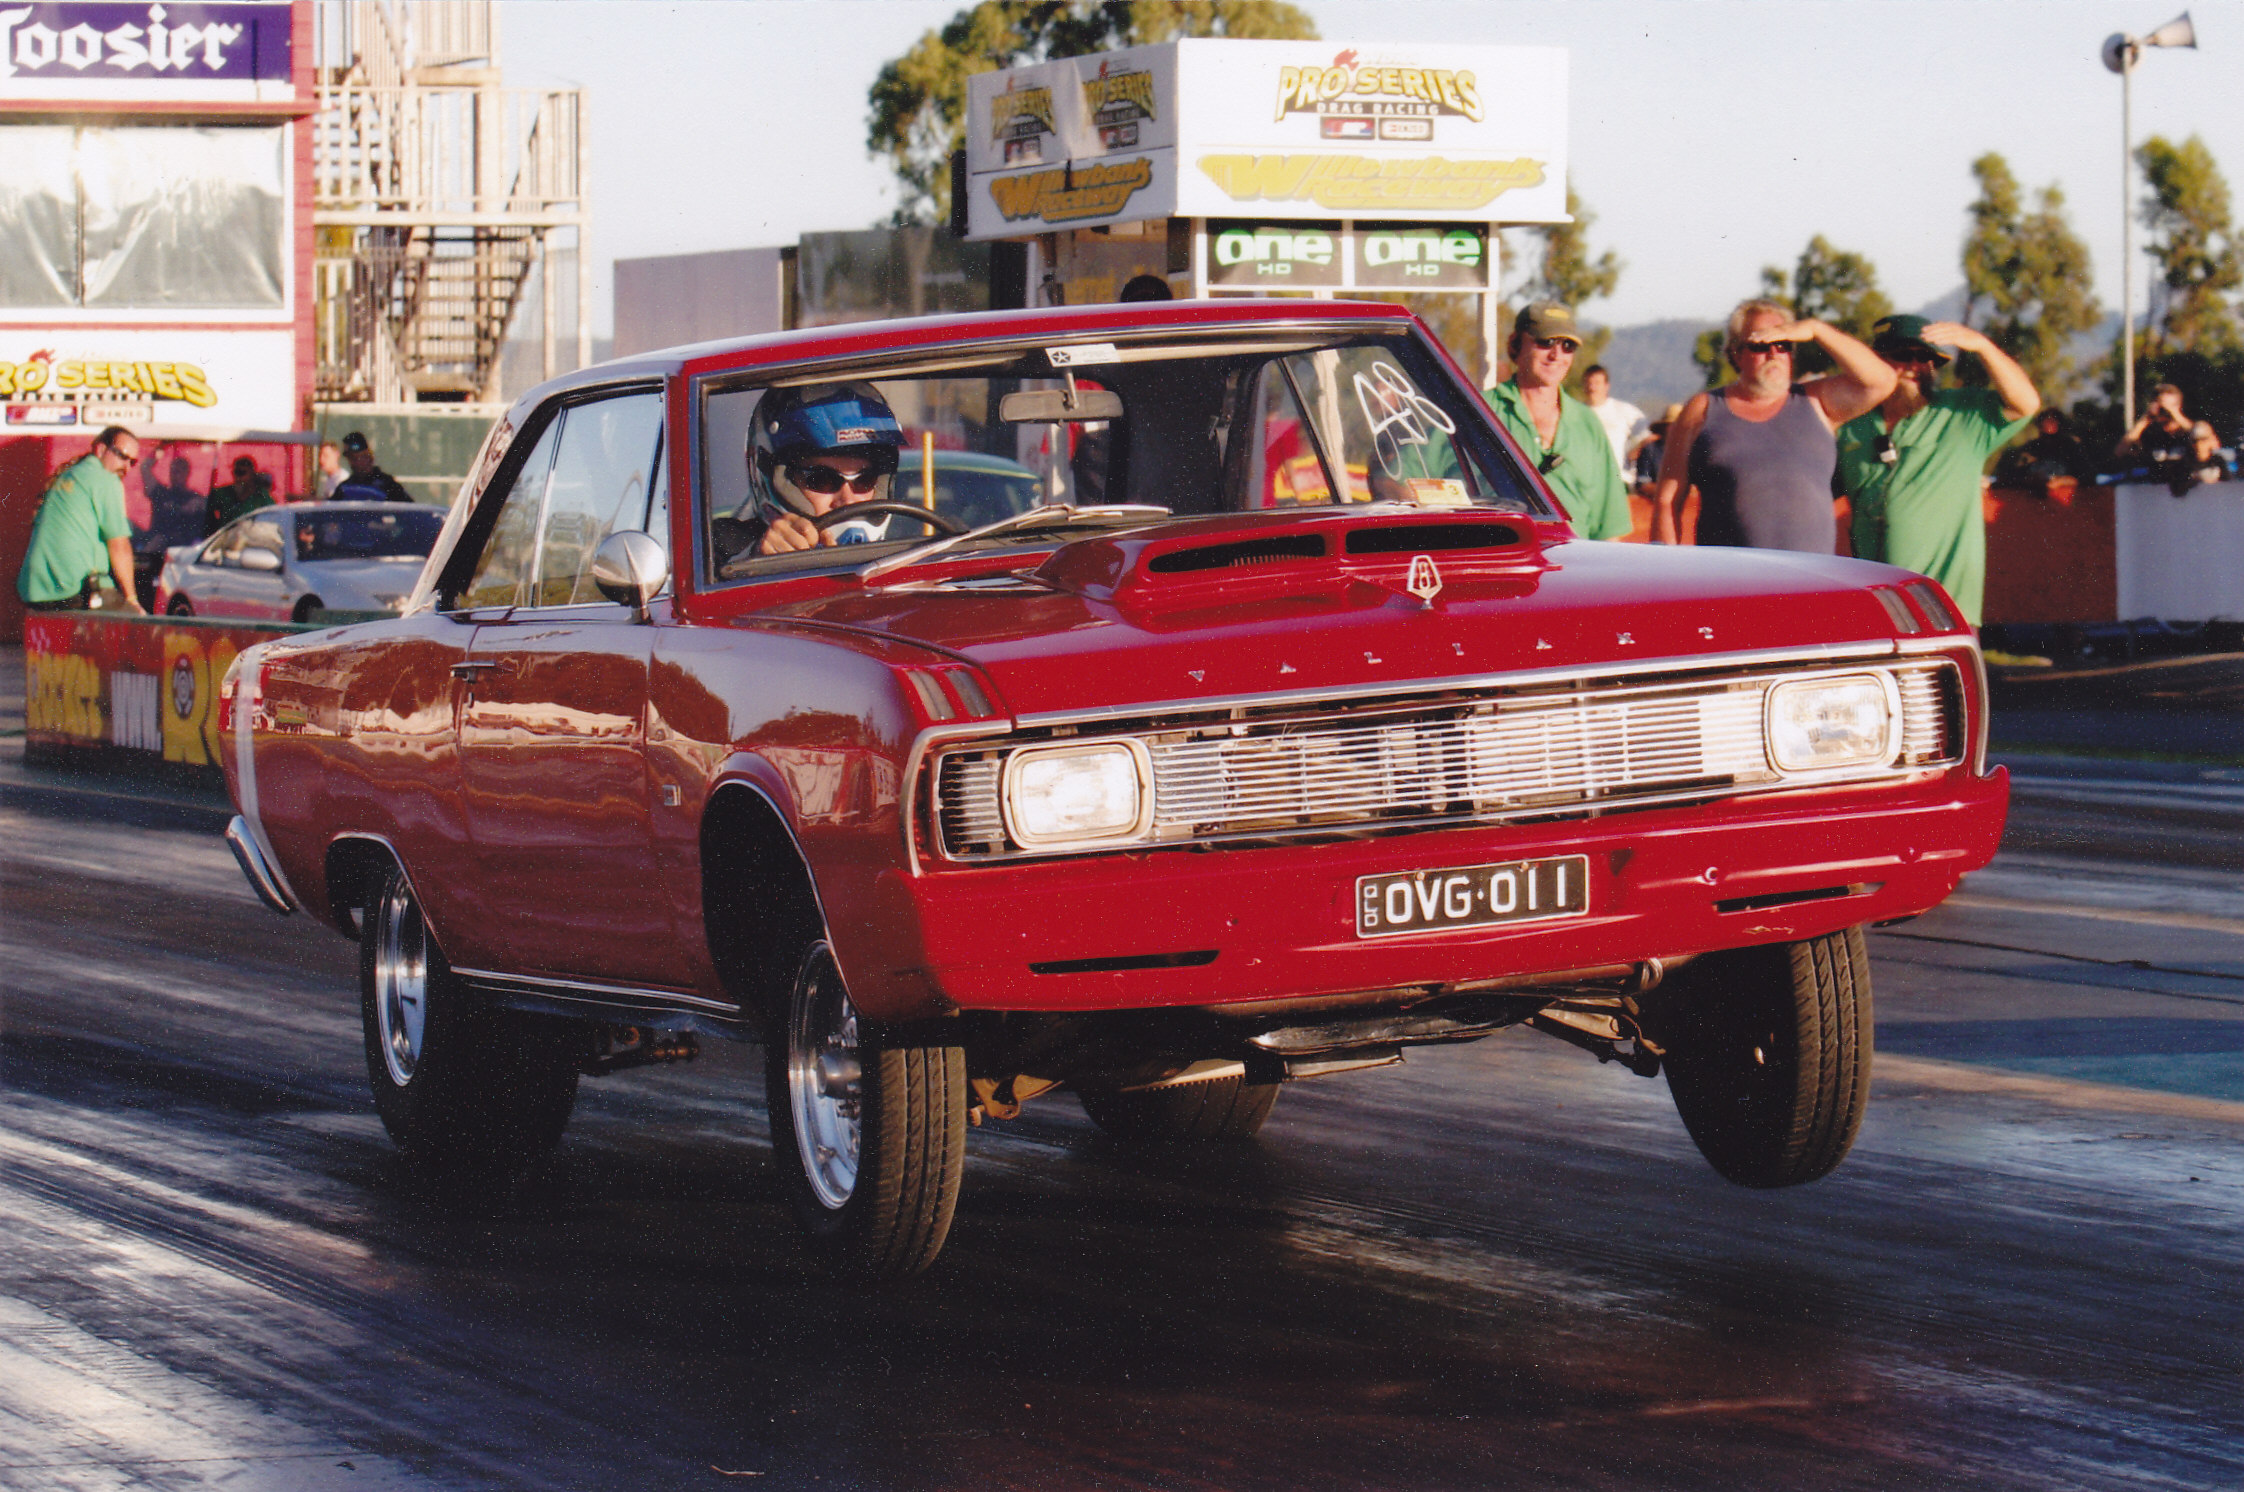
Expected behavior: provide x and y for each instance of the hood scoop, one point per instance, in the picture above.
(1321, 558)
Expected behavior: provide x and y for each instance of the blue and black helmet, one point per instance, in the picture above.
(832, 419)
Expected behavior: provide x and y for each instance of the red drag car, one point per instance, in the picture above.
(1292, 729)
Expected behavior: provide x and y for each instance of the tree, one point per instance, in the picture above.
(2026, 277)
(2185, 206)
(1563, 271)
(1828, 284)
(919, 100)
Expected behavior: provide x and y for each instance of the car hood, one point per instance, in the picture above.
(1178, 614)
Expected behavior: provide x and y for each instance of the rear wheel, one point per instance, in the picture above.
(305, 608)
(870, 1136)
(466, 1091)
(180, 606)
(1768, 1057)
(1212, 1109)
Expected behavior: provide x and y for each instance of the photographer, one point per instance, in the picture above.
(2179, 451)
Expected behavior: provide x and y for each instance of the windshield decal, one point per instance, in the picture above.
(1397, 414)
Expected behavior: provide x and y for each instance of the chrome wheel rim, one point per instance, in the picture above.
(825, 1083)
(401, 980)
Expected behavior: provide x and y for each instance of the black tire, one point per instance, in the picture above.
(1769, 1055)
(305, 608)
(1213, 1109)
(467, 1092)
(180, 606)
(871, 1137)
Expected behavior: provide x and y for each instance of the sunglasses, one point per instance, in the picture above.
(1768, 349)
(1552, 461)
(1883, 449)
(1557, 344)
(825, 481)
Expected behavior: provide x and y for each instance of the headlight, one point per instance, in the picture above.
(1057, 795)
(1836, 722)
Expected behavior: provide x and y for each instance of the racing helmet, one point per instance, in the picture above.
(832, 419)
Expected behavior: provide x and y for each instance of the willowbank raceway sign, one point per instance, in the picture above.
(1292, 131)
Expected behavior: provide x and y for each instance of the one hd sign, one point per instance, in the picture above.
(1422, 256)
(1264, 255)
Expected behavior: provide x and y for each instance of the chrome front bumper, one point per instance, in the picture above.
(270, 889)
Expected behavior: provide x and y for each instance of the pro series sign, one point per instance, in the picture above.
(60, 381)
(1208, 128)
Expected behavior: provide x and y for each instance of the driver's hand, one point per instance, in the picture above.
(790, 532)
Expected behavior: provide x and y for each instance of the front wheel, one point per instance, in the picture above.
(466, 1091)
(1768, 1057)
(870, 1136)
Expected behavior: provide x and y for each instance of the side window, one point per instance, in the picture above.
(504, 566)
(265, 536)
(601, 474)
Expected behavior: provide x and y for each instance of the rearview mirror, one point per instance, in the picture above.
(629, 568)
(1066, 406)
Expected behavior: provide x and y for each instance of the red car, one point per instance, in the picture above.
(1192, 780)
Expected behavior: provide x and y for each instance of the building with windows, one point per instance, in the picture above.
(155, 250)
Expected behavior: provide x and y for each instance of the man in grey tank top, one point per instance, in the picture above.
(1761, 450)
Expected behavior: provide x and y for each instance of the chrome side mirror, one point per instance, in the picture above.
(629, 568)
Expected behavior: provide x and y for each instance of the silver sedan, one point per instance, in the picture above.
(283, 563)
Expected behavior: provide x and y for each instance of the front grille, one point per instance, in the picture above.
(1493, 757)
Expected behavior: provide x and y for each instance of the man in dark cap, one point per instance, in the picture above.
(251, 489)
(1912, 465)
(367, 482)
(1560, 434)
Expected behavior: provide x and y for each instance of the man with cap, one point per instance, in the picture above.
(367, 482)
(1560, 434)
(1912, 466)
(1760, 450)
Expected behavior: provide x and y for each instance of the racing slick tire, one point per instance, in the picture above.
(870, 1135)
(1213, 1109)
(1768, 1057)
(469, 1093)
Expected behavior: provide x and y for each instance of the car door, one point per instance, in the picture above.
(217, 583)
(260, 569)
(552, 718)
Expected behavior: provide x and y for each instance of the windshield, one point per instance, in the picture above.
(394, 532)
(1258, 421)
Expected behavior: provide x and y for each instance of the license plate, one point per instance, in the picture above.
(1420, 901)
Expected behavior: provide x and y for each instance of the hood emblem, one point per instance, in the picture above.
(1425, 580)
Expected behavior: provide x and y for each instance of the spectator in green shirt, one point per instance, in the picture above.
(1912, 466)
(80, 540)
(1563, 435)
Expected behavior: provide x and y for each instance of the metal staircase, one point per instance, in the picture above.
(437, 194)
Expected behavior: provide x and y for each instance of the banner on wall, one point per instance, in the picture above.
(56, 382)
(137, 686)
(236, 52)
(1315, 131)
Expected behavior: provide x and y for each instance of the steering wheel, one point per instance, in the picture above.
(942, 523)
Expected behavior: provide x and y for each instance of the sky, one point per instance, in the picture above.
(1709, 137)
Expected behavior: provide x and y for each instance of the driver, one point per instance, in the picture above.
(813, 450)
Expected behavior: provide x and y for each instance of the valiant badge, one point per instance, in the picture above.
(1425, 580)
